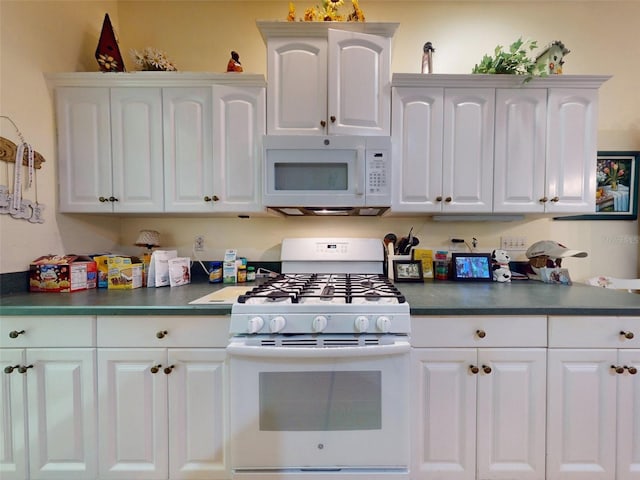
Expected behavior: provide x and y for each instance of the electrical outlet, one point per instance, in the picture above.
(198, 243)
(513, 243)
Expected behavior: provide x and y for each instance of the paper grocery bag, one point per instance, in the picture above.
(159, 268)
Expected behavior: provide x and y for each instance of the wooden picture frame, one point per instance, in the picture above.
(616, 188)
(407, 271)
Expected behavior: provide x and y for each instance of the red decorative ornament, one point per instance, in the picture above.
(108, 53)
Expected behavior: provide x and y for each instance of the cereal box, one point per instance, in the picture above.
(62, 273)
(124, 274)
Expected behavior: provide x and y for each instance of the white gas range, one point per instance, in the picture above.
(319, 367)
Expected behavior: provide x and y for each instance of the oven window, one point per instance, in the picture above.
(320, 401)
(311, 176)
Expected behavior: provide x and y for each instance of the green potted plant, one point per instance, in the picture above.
(514, 61)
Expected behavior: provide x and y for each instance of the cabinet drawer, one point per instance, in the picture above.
(480, 331)
(47, 331)
(594, 332)
(163, 331)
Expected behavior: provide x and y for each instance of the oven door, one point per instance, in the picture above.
(311, 408)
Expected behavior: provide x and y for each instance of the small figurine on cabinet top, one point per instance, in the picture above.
(234, 64)
(552, 58)
(427, 57)
(500, 266)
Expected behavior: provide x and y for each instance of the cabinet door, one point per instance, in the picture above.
(136, 130)
(359, 85)
(628, 444)
(188, 149)
(468, 150)
(519, 154)
(133, 413)
(581, 414)
(13, 419)
(572, 150)
(443, 406)
(62, 411)
(198, 431)
(84, 149)
(239, 127)
(511, 413)
(417, 149)
(297, 79)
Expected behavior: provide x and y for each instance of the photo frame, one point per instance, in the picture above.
(407, 271)
(617, 183)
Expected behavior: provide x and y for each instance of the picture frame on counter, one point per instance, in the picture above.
(617, 183)
(407, 271)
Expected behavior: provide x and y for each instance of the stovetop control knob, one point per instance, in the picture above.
(361, 324)
(255, 324)
(383, 323)
(276, 324)
(319, 324)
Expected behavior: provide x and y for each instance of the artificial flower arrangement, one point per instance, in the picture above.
(515, 61)
(329, 12)
(151, 59)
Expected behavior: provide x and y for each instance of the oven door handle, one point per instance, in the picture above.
(243, 350)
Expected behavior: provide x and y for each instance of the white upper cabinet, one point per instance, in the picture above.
(328, 79)
(504, 146)
(160, 142)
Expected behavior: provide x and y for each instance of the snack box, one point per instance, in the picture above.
(125, 273)
(62, 273)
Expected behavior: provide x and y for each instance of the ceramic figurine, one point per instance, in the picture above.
(552, 58)
(500, 266)
(234, 64)
(427, 58)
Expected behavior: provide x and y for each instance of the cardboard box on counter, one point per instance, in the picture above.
(125, 273)
(62, 273)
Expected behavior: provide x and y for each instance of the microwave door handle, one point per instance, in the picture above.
(242, 350)
(360, 170)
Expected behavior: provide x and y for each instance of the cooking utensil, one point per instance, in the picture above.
(390, 240)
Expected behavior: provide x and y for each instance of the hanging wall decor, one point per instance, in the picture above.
(11, 200)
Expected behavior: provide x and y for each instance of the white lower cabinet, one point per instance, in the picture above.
(48, 408)
(163, 408)
(594, 398)
(479, 398)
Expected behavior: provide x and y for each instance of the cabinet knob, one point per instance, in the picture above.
(15, 333)
(555, 199)
(474, 369)
(113, 199)
(543, 200)
(155, 368)
(212, 198)
(169, 369)
(162, 334)
(618, 369)
(627, 335)
(439, 198)
(632, 370)
(448, 199)
(10, 368)
(323, 123)
(332, 118)
(24, 368)
(486, 369)
(481, 333)
(103, 199)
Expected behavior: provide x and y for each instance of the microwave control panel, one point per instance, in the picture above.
(378, 175)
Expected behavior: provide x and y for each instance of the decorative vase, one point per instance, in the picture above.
(614, 185)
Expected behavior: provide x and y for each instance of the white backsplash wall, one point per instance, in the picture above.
(259, 239)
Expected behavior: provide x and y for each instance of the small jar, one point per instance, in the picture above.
(242, 274)
(215, 272)
(251, 274)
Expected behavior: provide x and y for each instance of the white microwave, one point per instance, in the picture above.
(325, 175)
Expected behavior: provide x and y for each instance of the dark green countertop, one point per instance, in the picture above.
(430, 298)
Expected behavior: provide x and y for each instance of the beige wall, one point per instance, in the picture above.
(57, 36)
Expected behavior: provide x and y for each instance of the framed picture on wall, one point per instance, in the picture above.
(616, 187)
